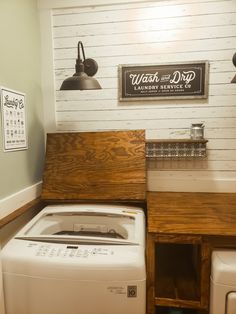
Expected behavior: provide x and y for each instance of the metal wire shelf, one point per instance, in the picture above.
(176, 148)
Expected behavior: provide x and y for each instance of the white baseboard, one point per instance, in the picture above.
(159, 181)
(19, 199)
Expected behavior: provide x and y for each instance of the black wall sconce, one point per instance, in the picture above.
(84, 70)
(234, 62)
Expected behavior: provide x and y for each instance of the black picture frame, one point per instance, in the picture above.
(183, 80)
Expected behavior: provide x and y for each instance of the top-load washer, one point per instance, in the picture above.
(223, 282)
(2, 310)
(77, 259)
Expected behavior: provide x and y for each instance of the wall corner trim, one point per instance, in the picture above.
(19, 199)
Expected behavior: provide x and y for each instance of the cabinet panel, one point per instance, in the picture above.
(178, 272)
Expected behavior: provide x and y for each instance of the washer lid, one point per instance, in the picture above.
(224, 267)
(87, 224)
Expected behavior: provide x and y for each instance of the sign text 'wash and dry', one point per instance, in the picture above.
(163, 81)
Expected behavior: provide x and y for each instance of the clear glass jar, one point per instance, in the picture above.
(197, 131)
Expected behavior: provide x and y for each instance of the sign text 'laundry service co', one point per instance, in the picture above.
(179, 80)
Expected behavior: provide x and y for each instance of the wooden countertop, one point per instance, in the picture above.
(192, 213)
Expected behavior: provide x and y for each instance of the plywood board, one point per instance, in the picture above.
(95, 166)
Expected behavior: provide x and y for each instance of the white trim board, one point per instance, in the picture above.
(63, 4)
(157, 182)
(57, 4)
(19, 199)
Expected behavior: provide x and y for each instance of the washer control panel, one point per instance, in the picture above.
(70, 251)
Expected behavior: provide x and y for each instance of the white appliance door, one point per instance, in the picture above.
(231, 303)
(53, 296)
(2, 311)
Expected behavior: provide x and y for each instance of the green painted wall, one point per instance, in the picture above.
(20, 68)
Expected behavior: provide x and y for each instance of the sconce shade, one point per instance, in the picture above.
(234, 62)
(82, 79)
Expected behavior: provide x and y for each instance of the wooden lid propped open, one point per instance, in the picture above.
(95, 166)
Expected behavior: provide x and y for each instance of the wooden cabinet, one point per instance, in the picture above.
(183, 229)
(178, 272)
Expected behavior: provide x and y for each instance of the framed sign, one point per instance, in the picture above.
(13, 120)
(164, 81)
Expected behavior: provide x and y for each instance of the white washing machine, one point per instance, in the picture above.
(2, 310)
(223, 282)
(77, 259)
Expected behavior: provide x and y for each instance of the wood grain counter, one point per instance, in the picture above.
(211, 214)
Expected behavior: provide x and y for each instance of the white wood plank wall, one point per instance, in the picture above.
(155, 32)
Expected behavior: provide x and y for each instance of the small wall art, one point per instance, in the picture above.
(13, 120)
(164, 81)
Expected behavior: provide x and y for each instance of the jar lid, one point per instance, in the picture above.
(200, 125)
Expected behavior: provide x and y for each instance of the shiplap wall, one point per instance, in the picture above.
(155, 32)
